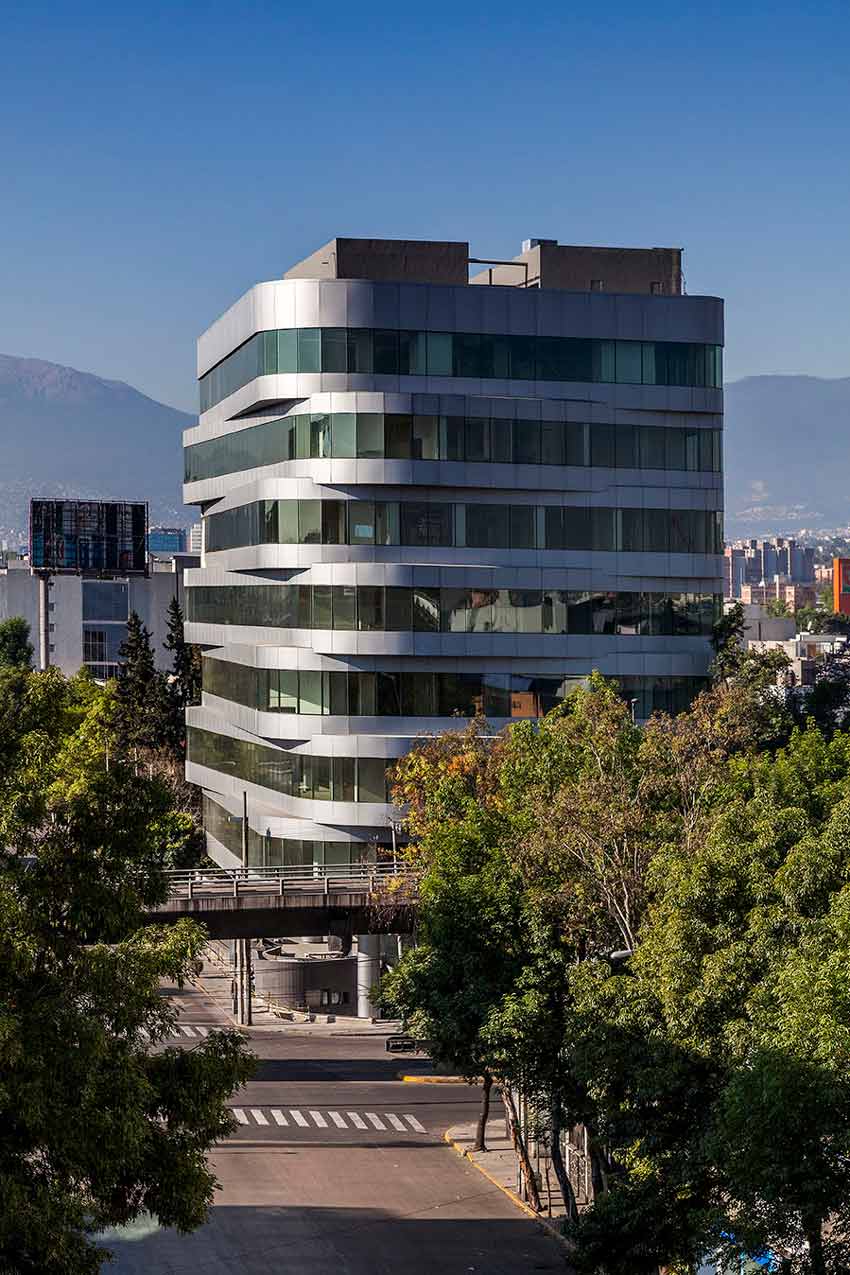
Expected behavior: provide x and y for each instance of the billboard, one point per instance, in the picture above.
(81, 536)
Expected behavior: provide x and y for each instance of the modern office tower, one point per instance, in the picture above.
(427, 497)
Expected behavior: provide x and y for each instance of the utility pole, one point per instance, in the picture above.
(244, 945)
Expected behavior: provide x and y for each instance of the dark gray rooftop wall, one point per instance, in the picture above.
(581, 269)
(387, 261)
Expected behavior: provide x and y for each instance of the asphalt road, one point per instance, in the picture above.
(339, 1168)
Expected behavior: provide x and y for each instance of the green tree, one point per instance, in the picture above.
(16, 650)
(143, 716)
(94, 1126)
(727, 641)
(777, 608)
(184, 683)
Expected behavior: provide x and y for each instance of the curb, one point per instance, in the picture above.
(432, 1080)
(543, 1222)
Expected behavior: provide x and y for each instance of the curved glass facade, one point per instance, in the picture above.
(474, 439)
(405, 694)
(365, 593)
(480, 355)
(439, 524)
(292, 774)
(374, 609)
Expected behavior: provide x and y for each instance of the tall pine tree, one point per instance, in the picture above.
(143, 714)
(184, 683)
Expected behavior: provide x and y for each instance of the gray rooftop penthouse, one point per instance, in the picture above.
(434, 485)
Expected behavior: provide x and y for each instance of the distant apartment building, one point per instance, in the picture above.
(778, 590)
(164, 542)
(87, 617)
(841, 585)
(196, 539)
(760, 562)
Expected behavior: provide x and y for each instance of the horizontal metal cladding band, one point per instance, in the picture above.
(468, 439)
(442, 524)
(478, 356)
(368, 608)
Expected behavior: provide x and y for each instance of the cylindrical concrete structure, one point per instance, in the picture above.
(368, 973)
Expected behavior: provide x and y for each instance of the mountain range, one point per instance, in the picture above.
(73, 434)
(69, 433)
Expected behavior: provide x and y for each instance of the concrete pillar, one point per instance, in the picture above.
(43, 620)
(368, 973)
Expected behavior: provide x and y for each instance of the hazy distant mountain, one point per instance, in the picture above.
(70, 433)
(787, 455)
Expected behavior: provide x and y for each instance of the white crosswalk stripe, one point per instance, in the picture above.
(332, 1120)
(187, 1031)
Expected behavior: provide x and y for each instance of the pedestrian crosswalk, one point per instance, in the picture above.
(192, 1031)
(294, 1118)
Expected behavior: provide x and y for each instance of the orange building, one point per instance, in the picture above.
(841, 585)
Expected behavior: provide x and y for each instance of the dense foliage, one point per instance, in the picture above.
(646, 932)
(94, 1126)
(16, 650)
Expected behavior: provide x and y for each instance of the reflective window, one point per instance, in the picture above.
(496, 440)
(293, 774)
(466, 354)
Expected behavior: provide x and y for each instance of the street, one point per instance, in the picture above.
(339, 1166)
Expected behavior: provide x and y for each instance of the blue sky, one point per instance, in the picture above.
(158, 159)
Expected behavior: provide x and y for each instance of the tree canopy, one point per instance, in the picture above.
(645, 931)
(95, 1126)
(16, 650)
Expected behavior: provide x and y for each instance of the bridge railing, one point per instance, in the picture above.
(197, 883)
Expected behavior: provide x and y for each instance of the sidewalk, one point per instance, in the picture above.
(499, 1165)
(215, 982)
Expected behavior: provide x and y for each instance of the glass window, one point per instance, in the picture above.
(370, 609)
(310, 522)
(454, 606)
(629, 371)
(652, 447)
(501, 440)
(551, 443)
(631, 523)
(674, 443)
(385, 352)
(397, 433)
(577, 527)
(309, 350)
(452, 437)
(426, 438)
(629, 617)
(344, 434)
(310, 692)
(554, 527)
(322, 606)
(426, 610)
(361, 522)
(370, 435)
(343, 779)
(477, 438)
(371, 779)
(320, 435)
(522, 528)
(481, 610)
(602, 445)
(419, 694)
(389, 694)
(466, 353)
(604, 612)
(603, 529)
(577, 442)
(656, 530)
(387, 522)
(287, 350)
(527, 442)
(364, 698)
(105, 600)
(334, 350)
(398, 609)
(359, 350)
(423, 523)
(333, 522)
(345, 606)
(287, 522)
(439, 353)
(335, 696)
(487, 526)
(626, 450)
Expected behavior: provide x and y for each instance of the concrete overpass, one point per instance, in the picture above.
(243, 903)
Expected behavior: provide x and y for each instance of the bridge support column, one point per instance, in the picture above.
(368, 973)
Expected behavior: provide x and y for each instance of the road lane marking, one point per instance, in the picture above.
(356, 1120)
(258, 1115)
(337, 1119)
(240, 1115)
(187, 1031)
(319, 1119)
(299, 1119)
(375, 1120)
(278, 1116)
(202, 1031)
(395, 1122)
(414, 1123)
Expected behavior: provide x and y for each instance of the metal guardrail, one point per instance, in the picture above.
(199, 883)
